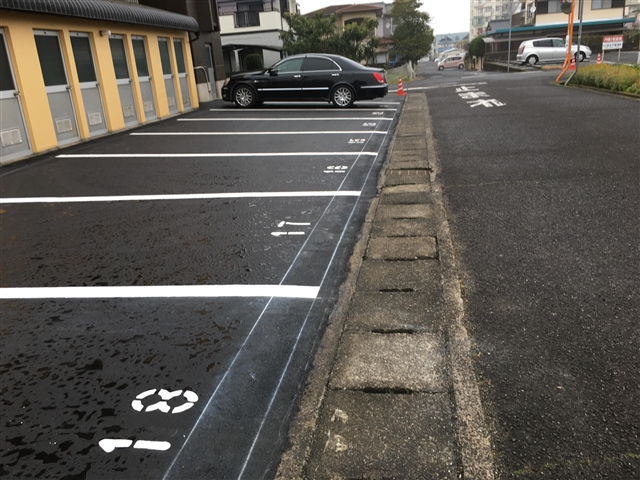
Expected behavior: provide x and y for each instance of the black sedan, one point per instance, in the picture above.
(307, 77)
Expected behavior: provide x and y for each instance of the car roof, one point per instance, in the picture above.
(339, 59)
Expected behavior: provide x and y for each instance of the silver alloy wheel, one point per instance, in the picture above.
(532, 60)
(243, 96)
(342, 96)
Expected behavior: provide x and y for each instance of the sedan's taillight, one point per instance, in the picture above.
(521, 50)
(379, 77)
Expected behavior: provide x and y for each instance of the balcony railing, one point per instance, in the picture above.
(247, 19)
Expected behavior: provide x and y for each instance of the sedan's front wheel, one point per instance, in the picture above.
(343, 96)
(244, 96)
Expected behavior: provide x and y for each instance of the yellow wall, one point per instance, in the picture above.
(18, 29)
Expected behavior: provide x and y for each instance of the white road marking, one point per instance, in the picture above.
(163, 406)
(280, 234)
(332, 132)
(214, 155)
(162, 291)
(110, 444)
(247, 119)
(152, 445)
(281, 224)
(187, 196)
(336, 169)
(357, 140)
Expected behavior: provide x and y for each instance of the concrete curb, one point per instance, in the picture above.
(474, 457)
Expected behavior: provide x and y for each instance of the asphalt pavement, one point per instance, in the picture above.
(479, 295)
(532, 201)
(163, 288)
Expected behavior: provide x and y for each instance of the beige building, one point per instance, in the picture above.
(252, 27)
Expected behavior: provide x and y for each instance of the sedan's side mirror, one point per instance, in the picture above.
(273, 73)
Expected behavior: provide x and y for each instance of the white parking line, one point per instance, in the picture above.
(271, 119)
(163, 291)
(187, 196)
(331, 132)
(373, 107)
(213, 155)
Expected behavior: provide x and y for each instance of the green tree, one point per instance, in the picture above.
(320, 34)
(476, 47)
(412, 37)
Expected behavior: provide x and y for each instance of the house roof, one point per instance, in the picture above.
(495, 25)
(349, 8)
(106, 11)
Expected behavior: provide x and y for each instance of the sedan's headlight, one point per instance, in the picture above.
(226, 82)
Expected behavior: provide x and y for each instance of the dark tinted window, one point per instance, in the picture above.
(141, 57)
(6, 80)
(545, 43)
(315, 64)
(119, 58)
(83, 58)
(177, 45)
(51, 60)
(293, 65)
(164, 56)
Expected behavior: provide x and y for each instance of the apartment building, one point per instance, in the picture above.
(252, 26)
(484, 11)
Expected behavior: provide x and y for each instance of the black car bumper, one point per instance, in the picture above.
(371, 92)
(226, 94)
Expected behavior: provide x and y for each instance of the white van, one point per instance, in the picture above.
(548, 50)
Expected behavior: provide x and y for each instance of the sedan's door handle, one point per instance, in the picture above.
(335, 74)
(297, 76)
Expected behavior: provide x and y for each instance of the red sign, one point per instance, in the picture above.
(612, 42)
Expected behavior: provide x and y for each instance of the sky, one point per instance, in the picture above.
(447, 16)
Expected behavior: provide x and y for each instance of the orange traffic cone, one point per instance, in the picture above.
(598, 60)
(573, 63)
(400, 89)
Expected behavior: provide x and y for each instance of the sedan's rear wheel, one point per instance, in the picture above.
(244, 96)
(532, 60)
(460, 67)
(343, 96)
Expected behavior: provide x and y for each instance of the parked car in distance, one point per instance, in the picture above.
(452, 62)
(548, 50)
(307, 77)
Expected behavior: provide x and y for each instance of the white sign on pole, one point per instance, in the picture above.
(612, 42)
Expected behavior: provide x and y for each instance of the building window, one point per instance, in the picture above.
(248, 14)
(601, 4)
(554, 6)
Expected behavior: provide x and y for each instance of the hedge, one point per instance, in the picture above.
(619, 78)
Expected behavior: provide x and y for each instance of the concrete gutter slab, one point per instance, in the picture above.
(402, 248)
(404, 211)
(384, 276)
(403, 227)
(395, 311)
(390, 362)
(363, 436)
